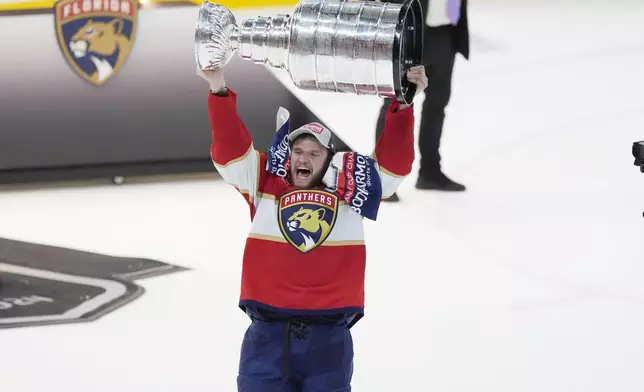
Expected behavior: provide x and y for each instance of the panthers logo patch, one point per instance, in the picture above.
(96, 36)
(307, 217)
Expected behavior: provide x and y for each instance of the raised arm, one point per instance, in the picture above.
(394, 150)
(232, 150)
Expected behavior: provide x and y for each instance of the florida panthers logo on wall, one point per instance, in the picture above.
(96, 36)
(307, 217)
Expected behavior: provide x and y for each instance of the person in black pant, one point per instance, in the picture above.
(446, 33)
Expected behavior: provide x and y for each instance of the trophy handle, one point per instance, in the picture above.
(408, 49)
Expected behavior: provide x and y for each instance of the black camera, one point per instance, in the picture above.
(638, 153)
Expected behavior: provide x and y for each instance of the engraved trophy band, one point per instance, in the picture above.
(359, 47)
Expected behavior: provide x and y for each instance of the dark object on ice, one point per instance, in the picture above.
(638, 153)
(44, 285)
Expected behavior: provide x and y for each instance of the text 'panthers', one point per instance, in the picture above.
(309, 197)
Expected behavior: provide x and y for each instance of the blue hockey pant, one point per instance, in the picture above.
(296, 355)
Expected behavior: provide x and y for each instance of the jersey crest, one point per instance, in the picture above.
(96, 36)
(306, 217)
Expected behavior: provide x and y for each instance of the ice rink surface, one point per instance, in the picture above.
(530, 281)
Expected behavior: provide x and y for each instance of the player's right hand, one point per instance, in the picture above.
(214, 78)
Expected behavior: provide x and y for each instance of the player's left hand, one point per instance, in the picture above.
(417, 76)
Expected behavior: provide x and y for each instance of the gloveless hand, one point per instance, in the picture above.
(214, 78)
(417, 76)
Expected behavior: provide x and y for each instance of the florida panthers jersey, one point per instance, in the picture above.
(305, 253)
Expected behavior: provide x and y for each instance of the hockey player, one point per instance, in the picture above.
(304, 261)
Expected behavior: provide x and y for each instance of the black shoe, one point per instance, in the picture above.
(392, 198)
(439, 183)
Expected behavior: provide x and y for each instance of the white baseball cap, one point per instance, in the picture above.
(319, 131)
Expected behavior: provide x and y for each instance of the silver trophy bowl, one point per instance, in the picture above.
(359, 47)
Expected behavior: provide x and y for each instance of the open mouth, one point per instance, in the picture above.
(302, 173)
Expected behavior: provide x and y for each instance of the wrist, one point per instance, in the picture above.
(218, 88)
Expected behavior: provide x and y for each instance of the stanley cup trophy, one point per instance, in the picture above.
(359, 47)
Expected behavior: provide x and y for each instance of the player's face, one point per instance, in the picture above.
(308, 159)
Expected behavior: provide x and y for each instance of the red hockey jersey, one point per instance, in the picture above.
(324, 274)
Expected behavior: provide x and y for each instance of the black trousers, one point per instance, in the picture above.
(438, 58)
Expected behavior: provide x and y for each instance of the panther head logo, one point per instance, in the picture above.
(309, 224)
(99, 41)
(96, 37)
(307, 218)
